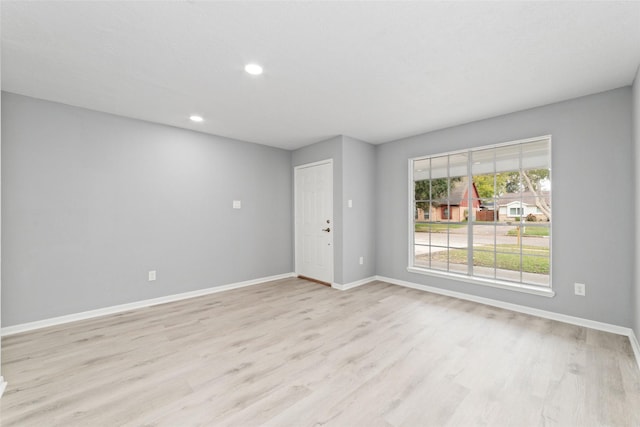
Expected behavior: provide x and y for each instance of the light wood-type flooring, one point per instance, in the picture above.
(295, 353)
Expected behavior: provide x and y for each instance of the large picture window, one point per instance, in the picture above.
(484, 215)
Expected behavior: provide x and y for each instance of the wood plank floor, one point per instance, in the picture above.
(294, 353)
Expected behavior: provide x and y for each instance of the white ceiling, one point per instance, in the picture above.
(376, 71)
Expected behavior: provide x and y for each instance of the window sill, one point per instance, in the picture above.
(517, 287)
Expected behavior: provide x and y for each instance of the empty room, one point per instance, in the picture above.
(305, 213)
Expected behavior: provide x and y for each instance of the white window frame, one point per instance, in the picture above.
(477, 280)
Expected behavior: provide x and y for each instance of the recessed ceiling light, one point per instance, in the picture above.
(253, 69)
(196, 118)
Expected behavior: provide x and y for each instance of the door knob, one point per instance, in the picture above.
(326, 229)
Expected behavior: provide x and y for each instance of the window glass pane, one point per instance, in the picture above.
(455, 263)
(535, 155)
(439, 167)
(484, 237)
(484, 263)
(535, 269)
(422, 254)
(534, 263)
(439, 193)
(421, 212)
(458, 165)
(458, 243)
(508, 238)
(485, 187)
(536, 232)
(439, 258)
(458, 199)
(482, 162)
(537, 279)
(536, 253)
(446, 212)
(510, 207)
(508, 267)
(483, 210)
(512, 185)
(421, 190)
(459, 236)
(440, 243)
(484, 184)
(421, 169)
(507, 158)
(536, 195)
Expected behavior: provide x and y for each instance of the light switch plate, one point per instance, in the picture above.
(237, 204)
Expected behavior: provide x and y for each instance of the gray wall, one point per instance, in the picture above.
(92, 201)
(358, 177)
(636, 137)
(593, 202)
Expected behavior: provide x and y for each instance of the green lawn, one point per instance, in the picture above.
(423, 227)
(530, 231)
(505, 261)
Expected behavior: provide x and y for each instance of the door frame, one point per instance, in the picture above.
(295, 215)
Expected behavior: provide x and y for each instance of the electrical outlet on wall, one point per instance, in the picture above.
(580, 289)
(152, 275)
(361, 260)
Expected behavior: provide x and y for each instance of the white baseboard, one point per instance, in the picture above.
(24, 327)
(353, 284)
(3, 385)
(600, 326)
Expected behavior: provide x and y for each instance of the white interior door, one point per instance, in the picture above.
(314, 220)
